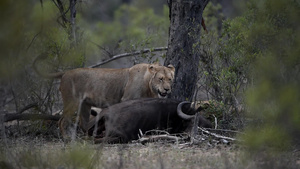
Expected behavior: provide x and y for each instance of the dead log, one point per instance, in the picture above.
(17, 116)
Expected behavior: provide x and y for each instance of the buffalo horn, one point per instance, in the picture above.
(181, 114)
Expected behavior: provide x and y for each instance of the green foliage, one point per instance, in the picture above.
(27, 30)
(131, 29)
(260, 47)
(34, 28)
(257, 52)
(266, 137)
(223, 69)
(213, 17)
(11, 36)
(271, 35)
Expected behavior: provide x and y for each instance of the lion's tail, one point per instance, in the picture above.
(46, 75)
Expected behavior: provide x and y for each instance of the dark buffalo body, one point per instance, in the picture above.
(122, 121)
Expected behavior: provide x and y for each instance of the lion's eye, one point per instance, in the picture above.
(161, 79)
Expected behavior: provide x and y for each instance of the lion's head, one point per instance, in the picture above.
(162, 79)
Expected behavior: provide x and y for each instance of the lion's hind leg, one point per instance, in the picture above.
(85, 111)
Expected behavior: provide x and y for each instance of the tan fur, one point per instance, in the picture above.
(100, 87)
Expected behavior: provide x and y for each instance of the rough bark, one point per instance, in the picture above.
(184, 32)
(72, 21)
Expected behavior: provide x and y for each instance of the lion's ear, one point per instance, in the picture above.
(156, 63)
(151, 68)
(172, 68)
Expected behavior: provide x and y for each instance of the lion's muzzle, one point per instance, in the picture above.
(164, 93)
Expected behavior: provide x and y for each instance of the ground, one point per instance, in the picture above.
(24, 149)
(38, 153)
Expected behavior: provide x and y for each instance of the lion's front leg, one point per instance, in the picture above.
(66, 122)
(85, 109)
(66, 128)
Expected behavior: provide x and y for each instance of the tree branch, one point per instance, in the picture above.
(32, 40)
(224, 130)
(29, 106)
(129, 54)
(216, 135)
(205, 3)
(102, 48)
(62, 11)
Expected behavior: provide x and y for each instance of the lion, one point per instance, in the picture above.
(82, 88)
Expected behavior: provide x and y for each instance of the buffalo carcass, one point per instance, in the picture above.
(120, 123)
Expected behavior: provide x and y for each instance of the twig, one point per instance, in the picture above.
(216, 135)
(102, 48)
(32, 40)
(129, 54)
(216, 122)
(141, 134)
(143, 140)
(63, 13)
(29, 106)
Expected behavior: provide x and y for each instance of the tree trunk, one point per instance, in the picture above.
(184, 32)
(72, 21)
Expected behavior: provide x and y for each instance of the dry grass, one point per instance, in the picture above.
(25, 153)
(39, 153)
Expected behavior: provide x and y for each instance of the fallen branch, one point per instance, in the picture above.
(216, 135)
(15, 116)
(224, 130)
(154, 138)
(129, 54)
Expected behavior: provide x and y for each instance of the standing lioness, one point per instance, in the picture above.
(102, 87)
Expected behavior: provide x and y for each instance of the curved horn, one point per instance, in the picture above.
(181, 114)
